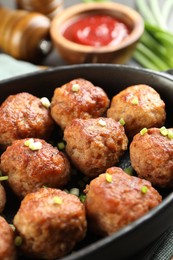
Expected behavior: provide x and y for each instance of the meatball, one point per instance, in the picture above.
(78, 98)
(95, 144)
(33, 163)
(151, 155)
(7, 245)
(2, 199)
(114, 199)
(139, 106)
(23, 115)
(55, 225)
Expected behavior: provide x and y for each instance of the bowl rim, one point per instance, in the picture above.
(77, 9)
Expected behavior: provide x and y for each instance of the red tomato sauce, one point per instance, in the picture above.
(96, 30)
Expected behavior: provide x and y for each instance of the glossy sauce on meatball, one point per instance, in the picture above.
(30, 167)
(114, 199)
(56, 223)
(140, 106)
(78, 98)
(23, 115)
(93, 145)
(151, 156)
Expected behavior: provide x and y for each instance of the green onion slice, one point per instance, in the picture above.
(18, 240)
(75, 87)
(74, 191)
(61, 145)
(102, 122)
(164, 131)
(35, 146)
(121, 121)
(3, 178)
(108, 177)
(143, 131)
(144, 189)
(135, 101)
(57, 200)
(129, 170)
(45, 102)
(170, 134)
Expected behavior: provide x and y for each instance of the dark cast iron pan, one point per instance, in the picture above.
(112, 78)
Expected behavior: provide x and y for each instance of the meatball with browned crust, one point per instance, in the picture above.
(24, 115)
(7, 245)
(95, 144)
(56, 223)
(78, 98)
(2, 198)
(114, 199)
(32, 163)
(139, 106)
(151, 154)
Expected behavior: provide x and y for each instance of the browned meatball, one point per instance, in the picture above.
(2, 198)
(151, 156)
(23, 115)
(7, 245)
(55, 224)
(32, 163)
(114, 199)
(78, 98)
(93, 145)
(140, 106)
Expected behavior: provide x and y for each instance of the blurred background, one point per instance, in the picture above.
(53, 59)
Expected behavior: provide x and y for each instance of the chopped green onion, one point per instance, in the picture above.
(144, 189)
(122, 122)
(3, 178)
(82, 198)
(108, 177)
(143, 131)
(102, 122)
(74, 191)
(45, 102)
(75, 87)
(35, 146)
(28, 142)
(129, 170)
(18, 240)
(57, 200)
(135, 101)
(163, 131)
(166, 132)
(61, 145)
(170, 134)
(12, 226)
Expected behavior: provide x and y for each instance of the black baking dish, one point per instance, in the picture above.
(112, 78)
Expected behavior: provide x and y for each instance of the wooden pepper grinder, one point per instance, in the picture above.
(47, 7)
(24, 35)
